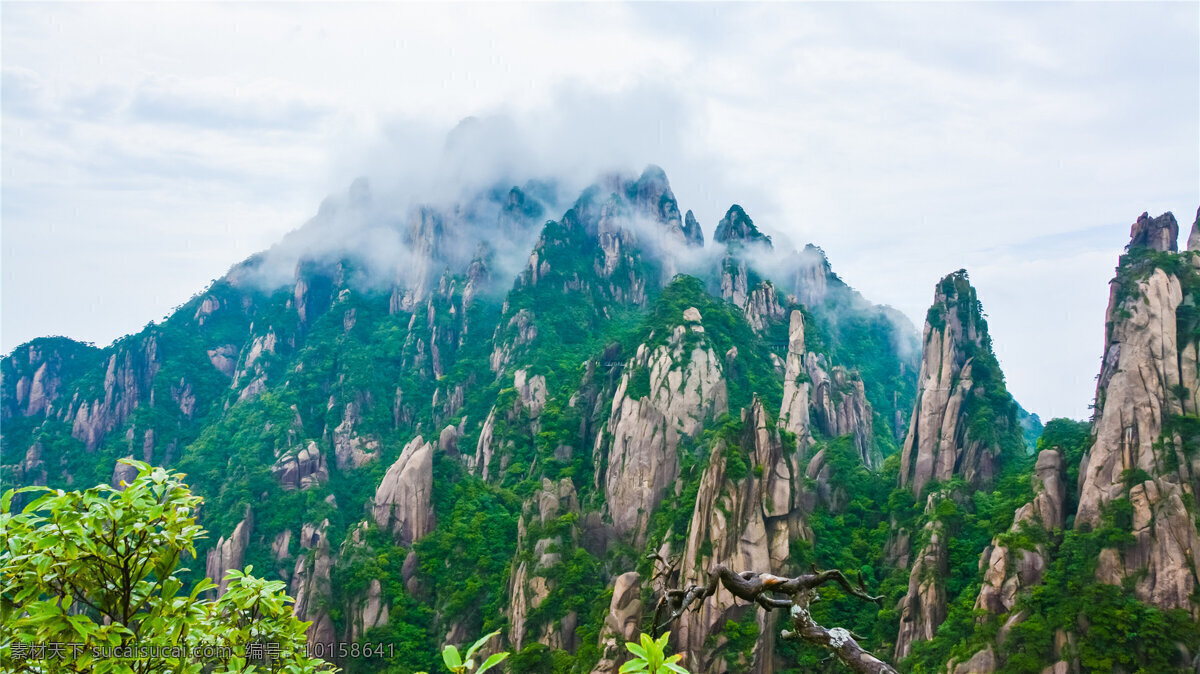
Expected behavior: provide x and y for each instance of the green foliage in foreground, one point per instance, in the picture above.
(650, 657)
(465, 663)
(98, 568)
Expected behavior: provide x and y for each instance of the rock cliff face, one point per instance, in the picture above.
(793, 416)
(622, 623)
(127, 384)
(350, 449)
(229, 553)
(33, 376)
(311, 585)
(746, 520)
(962, 425)
(923, 606)
(402, 502)
(534, 567)
(1148, 384)
(303, 469)
(682, 385)
(839, 405)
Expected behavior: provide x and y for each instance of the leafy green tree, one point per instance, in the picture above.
(90, 584)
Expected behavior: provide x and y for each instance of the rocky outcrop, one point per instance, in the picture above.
(302, 469)
(402, 503)
(839, 405)
(1148, 378)
(424, 235)
(32, 380)
(531, 391)
(664, 394)
(622, 623)
(127, 383)
(370, 612)
(983, 662)
(484, 448)
(229, 553)
(224, 358)
(250, 376)
(351, 450)
(652, 196)
(744, 518)
(311, 585)
(1007, 571)
(536, 558)
(519, 331)
(808, 280)
(793, 415)
(1161, 233)
(923, 607)
(762, 306)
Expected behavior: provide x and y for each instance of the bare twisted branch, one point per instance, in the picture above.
(776, 592)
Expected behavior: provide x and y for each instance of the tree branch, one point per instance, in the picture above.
(796, 593)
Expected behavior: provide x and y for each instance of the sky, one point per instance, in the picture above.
(146, 147)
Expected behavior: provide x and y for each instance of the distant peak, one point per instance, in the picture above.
(691, 230)
(736, 226)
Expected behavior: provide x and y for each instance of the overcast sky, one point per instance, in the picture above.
(147, 147)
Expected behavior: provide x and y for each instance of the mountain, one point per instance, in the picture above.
(536, 412)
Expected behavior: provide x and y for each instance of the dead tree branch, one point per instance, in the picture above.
(776, 592)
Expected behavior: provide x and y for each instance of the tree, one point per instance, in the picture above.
(89, 584)
(797, 593)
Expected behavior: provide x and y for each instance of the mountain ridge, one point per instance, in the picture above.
(432, 450)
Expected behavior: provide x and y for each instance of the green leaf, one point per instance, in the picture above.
(451, 658)
(482, 640)
(492, 661)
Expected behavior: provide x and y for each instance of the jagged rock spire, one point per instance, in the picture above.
(939, 445)
(692, 231)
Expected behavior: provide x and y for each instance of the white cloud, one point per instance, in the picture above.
(153, 145)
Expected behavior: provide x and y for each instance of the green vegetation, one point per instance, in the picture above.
(98, 568)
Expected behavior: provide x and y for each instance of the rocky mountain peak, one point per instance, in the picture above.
(1159, 233)
(958, 369)
(737, 227)
(1147, 392)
